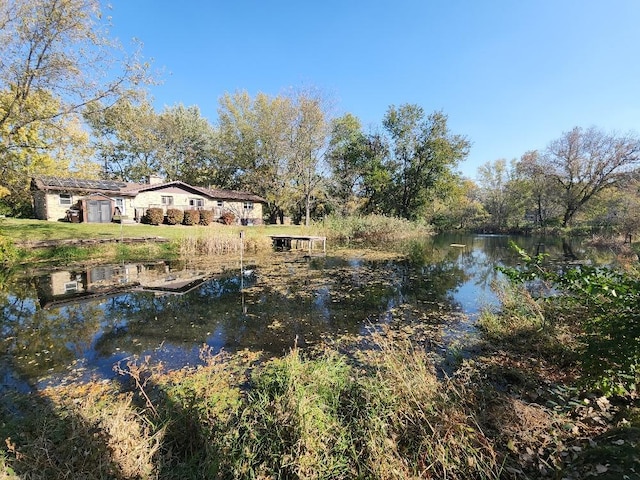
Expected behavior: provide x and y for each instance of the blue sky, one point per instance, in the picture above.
(511, 75)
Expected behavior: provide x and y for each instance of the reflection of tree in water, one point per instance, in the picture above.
(36, 342)
(42, 341)
(286, 301)
(434, 284)
(288, 296)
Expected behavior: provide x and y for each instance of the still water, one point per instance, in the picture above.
(78, 323)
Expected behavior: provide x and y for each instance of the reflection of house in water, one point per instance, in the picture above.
(69, 286)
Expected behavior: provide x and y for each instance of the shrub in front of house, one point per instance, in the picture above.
(206, 217)
(227, 218)
(191, 217)
(175, 216)
(154, 216)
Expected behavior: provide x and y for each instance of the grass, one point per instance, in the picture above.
(379, 410)
(214, 239)
(322, 415)
(25, 230)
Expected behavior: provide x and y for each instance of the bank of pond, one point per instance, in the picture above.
(349, 363)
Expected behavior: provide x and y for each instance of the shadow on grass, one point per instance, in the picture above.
(192, 410)
(46, 439)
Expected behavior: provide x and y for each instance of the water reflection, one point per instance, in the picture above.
(83, 321)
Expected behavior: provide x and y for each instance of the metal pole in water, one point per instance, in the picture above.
(241, 266)
(244, 308)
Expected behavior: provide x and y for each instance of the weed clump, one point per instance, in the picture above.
(324, 415)
(372, 229)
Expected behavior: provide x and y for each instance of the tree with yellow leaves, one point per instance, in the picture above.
(56, 59)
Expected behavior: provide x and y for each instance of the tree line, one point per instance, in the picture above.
(586, 177)
(64, 112)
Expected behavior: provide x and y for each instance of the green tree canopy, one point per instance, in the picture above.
(254, 147)
(126, 137)
(422, 151)
(133, 141)
(347, 156)
(39, 147)
(503, 194)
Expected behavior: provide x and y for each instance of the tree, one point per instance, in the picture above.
(347, 159)
(544, 194)
(422, 150)
(503, 195)
(127, 139)
(254, 147)
(186, 147)
(377, 181)
(50, 147)
(56, 59)
(583, 163)
(615, 210)
(60, 47)
(460, 207)
(308, 138)
(133, 142)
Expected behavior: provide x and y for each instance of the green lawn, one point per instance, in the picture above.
(25, 230)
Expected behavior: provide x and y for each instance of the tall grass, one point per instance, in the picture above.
(420, 426)
(88, 432)
(323, 415)
(214, 242)
(372, 229)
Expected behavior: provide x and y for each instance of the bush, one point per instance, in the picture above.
(372, 229)
(191, 217)
(228, 218)
(154, 216)
(175, 216)
(604, 303)
(8, 251)
(206, 217)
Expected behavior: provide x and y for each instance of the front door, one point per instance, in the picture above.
(98, 211)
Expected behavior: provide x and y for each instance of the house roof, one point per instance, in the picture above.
(47, 182)
(114, 187)
(213, 193)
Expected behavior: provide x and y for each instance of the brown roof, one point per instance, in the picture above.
(44, 182)
(47, 182)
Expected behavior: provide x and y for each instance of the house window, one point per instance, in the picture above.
(70, 287)
(120, 205)
(196, 202)
(220, 204)
(65, 199)
(248, 205)
(167, 200)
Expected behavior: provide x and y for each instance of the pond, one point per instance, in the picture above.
(75, 324)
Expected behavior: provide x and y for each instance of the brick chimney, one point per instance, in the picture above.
(154, 179)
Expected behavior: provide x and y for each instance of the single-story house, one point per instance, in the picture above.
(82, 200)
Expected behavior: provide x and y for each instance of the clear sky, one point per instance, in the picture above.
(511, 75)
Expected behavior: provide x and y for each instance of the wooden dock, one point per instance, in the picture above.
(307, 242)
